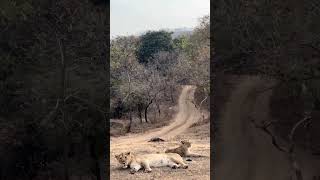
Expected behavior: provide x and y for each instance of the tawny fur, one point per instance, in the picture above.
(183, 150)
(146, 161)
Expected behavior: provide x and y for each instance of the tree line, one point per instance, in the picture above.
(147, 70)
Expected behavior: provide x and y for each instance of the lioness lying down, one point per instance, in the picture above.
(183, 150)
(136, 162)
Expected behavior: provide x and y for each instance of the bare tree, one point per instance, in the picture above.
(289, 149)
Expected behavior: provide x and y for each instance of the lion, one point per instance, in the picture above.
(146, 161)
(183, 150)
(121, 157)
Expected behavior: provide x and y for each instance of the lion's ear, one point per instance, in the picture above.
(116, 156)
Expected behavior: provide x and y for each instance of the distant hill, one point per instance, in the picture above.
(181, 32)
(176, 32)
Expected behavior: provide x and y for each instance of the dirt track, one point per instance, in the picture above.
(244, 152)
(173, 133)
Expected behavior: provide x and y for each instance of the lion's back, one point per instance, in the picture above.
(180, 150)
(154, 156)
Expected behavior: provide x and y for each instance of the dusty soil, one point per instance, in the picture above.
(244, 152)
(179, 129)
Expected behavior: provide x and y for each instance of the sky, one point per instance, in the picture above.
(131, 17)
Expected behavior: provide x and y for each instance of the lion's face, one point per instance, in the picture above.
(186, 144)
(124, 158)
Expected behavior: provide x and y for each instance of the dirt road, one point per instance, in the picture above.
(172, 134)
(245, 152)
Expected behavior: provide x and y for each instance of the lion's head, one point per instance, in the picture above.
(124, 158)
(186, 144)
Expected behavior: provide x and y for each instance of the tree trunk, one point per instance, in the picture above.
(140, 112)
(171, 94)
(146, 111)
(295, 166)
(200, 105)
(140, 116)
(130, 123)
(159, 111)
(146, 114)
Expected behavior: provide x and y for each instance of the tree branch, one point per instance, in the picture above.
(51, 114)
(264, 128)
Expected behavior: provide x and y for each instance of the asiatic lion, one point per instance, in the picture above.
(146, 161)
(183, 150)
(121, 157)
